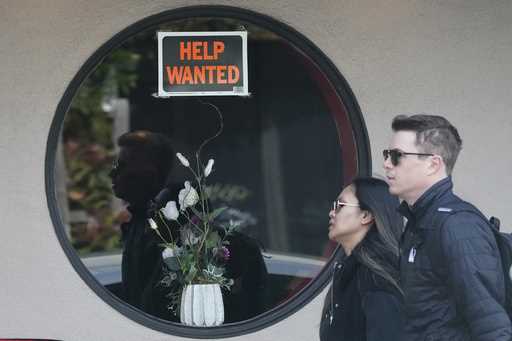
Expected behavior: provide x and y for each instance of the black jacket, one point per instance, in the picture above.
(363, 306)
(142, 271)
(451, 275)
(142, 266)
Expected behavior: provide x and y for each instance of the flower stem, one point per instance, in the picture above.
(191, 222)
(219, 131)
(167, 226)
(165, 241)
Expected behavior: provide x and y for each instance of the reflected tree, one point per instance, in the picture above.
(88, 152)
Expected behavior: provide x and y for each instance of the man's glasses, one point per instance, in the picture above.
(115, 164)
(395, 155)
(338, 204)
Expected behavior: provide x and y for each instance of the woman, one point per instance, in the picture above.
(364, 301)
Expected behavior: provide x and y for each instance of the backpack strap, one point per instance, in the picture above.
(503, 243)
(443, 212)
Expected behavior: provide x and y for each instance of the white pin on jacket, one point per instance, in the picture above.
(412, 255)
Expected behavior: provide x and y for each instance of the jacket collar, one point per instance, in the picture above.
(427, 200)
(137, 209)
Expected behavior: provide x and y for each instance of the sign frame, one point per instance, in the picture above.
(245, 74)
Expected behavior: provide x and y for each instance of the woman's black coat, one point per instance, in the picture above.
(360, 306)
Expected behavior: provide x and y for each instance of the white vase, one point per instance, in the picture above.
(202, 305)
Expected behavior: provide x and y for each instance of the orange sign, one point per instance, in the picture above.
(202, 63)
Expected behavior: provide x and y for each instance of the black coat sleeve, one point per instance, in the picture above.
(384, 316)
(247, 297)
(475, 277)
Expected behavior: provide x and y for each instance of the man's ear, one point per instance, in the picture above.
(435, 165)
(367, 217)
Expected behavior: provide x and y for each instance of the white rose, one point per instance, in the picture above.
(169, 255)
(183, 159)
(152, 224)
(170, 211)
(208, 168)
(170, 252)
(187, 197)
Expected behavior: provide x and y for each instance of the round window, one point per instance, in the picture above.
(280, 156)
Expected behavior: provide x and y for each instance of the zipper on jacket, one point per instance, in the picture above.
(335, 266)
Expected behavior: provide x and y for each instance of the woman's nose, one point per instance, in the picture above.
(331, 214)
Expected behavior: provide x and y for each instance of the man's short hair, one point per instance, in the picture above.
(434, 135)
(155, 146)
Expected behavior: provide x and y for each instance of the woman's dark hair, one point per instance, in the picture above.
(378, 251)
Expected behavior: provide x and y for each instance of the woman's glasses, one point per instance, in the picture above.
(395, 155)
(338, 204)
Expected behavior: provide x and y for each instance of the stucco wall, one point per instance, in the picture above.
(451, 57)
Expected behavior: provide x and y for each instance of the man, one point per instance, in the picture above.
(450, 272)
(140, 172)
(139, 175)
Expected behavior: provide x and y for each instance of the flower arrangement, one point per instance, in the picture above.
(199, 252)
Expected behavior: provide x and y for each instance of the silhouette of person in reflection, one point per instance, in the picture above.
(142, 170)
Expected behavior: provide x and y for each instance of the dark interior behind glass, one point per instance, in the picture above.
(278, 162)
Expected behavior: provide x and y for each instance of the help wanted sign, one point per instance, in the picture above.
(202, 64)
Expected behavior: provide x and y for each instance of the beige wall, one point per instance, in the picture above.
(450, 57)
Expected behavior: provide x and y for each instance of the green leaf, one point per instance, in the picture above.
(80, 175)
(190, 276)
(212, 240)
(216, 213)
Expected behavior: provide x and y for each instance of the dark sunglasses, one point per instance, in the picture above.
(115, 168)
(396, 154)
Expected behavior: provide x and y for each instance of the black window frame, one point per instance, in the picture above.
(342, 89)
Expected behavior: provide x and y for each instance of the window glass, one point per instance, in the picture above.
(281, 158)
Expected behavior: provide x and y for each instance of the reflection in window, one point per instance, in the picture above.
(278, 162)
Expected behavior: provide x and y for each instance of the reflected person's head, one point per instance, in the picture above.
(142, 167)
